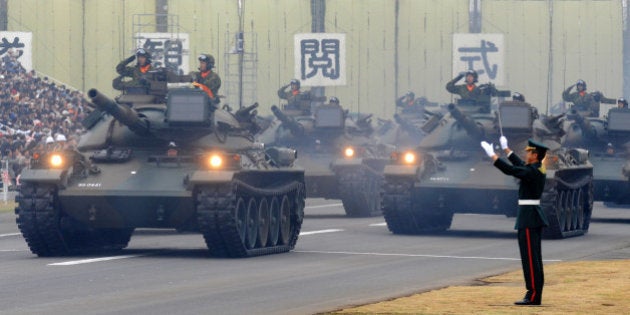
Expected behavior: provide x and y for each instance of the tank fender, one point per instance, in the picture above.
(402, 170)
(211, 177)
(52, 176)
(346, 163)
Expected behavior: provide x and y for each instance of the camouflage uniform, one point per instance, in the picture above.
(469, 94)
(586, 104)
(211, 80)
(296, 99)
(136, 73)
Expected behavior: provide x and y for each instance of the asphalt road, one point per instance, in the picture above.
(337, 262)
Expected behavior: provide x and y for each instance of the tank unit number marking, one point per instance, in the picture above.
(89, 185)
(439, 179)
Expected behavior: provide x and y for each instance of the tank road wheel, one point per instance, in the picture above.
(263, 222)
(274, 222)
(360, 192)
(241, 219)
(252, 223)
(285, 220)
(237, 219)
(568, 208)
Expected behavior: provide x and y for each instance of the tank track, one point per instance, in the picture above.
(568, 207)
(218, 219)
(403, 217)
(360, 192)
(49, 233)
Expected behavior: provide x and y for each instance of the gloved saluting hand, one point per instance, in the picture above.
(488, 148)
(504, 142)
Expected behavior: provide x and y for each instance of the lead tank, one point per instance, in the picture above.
(338, 154)
(448, 173)
(608, 141)
(163, 160)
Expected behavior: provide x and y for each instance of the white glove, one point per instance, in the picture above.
(503, 141)
(488, 148)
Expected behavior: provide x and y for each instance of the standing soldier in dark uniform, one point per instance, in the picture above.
(470, 93)
(206, 79)
(136, 73)
(296, 99)
(530, 219)
(586, 104)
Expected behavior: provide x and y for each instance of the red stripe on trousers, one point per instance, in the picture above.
(531, 263)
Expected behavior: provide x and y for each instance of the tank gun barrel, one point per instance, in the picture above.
(466, 122)
(126, 115)
(296, 128)
(245, 111)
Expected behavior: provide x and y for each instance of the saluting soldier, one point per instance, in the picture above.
(469, 92)
(296, 99)
(530, 218)
(136, 72)
(586, 104)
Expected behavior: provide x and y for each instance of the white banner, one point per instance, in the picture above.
(484, 53)
(169, 50)
(320, 58)
(18, 44)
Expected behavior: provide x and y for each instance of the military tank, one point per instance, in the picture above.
(607, 140)
(337, 153)
(447, 173)
(163, 160)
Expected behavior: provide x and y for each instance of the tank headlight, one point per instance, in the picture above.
(56, 160)
(348, 152)
(409, 158)
(215, 161)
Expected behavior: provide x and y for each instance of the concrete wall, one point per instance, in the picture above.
(79, 42)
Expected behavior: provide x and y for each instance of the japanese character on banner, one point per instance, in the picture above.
(167, 50)
(16, 47)
(484, 53)
(320, 59)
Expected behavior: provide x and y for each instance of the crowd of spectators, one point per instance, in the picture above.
(34, 111)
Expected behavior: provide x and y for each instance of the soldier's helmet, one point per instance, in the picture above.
(296, 82)
(141, 52)
(334, 100)
(581, 82)
(410, 94)
(60, 137)
(623, 101)
(50, 139)
(208, 59)
(474, 75)
(518, 97)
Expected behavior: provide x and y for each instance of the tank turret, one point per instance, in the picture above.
(471, 127)
(290, 123)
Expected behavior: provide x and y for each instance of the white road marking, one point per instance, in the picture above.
(13, 250)
(416, 255)
(320, 232)
(379, 224)
(324, 206)
(92, 260)
(10, 234)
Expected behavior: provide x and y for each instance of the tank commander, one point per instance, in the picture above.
(530, 219)
(136, 73)
(469, 92)
(296, 99)
(586, 104)
(206, 79)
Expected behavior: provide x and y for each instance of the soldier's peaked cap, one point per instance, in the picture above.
(533, 145)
